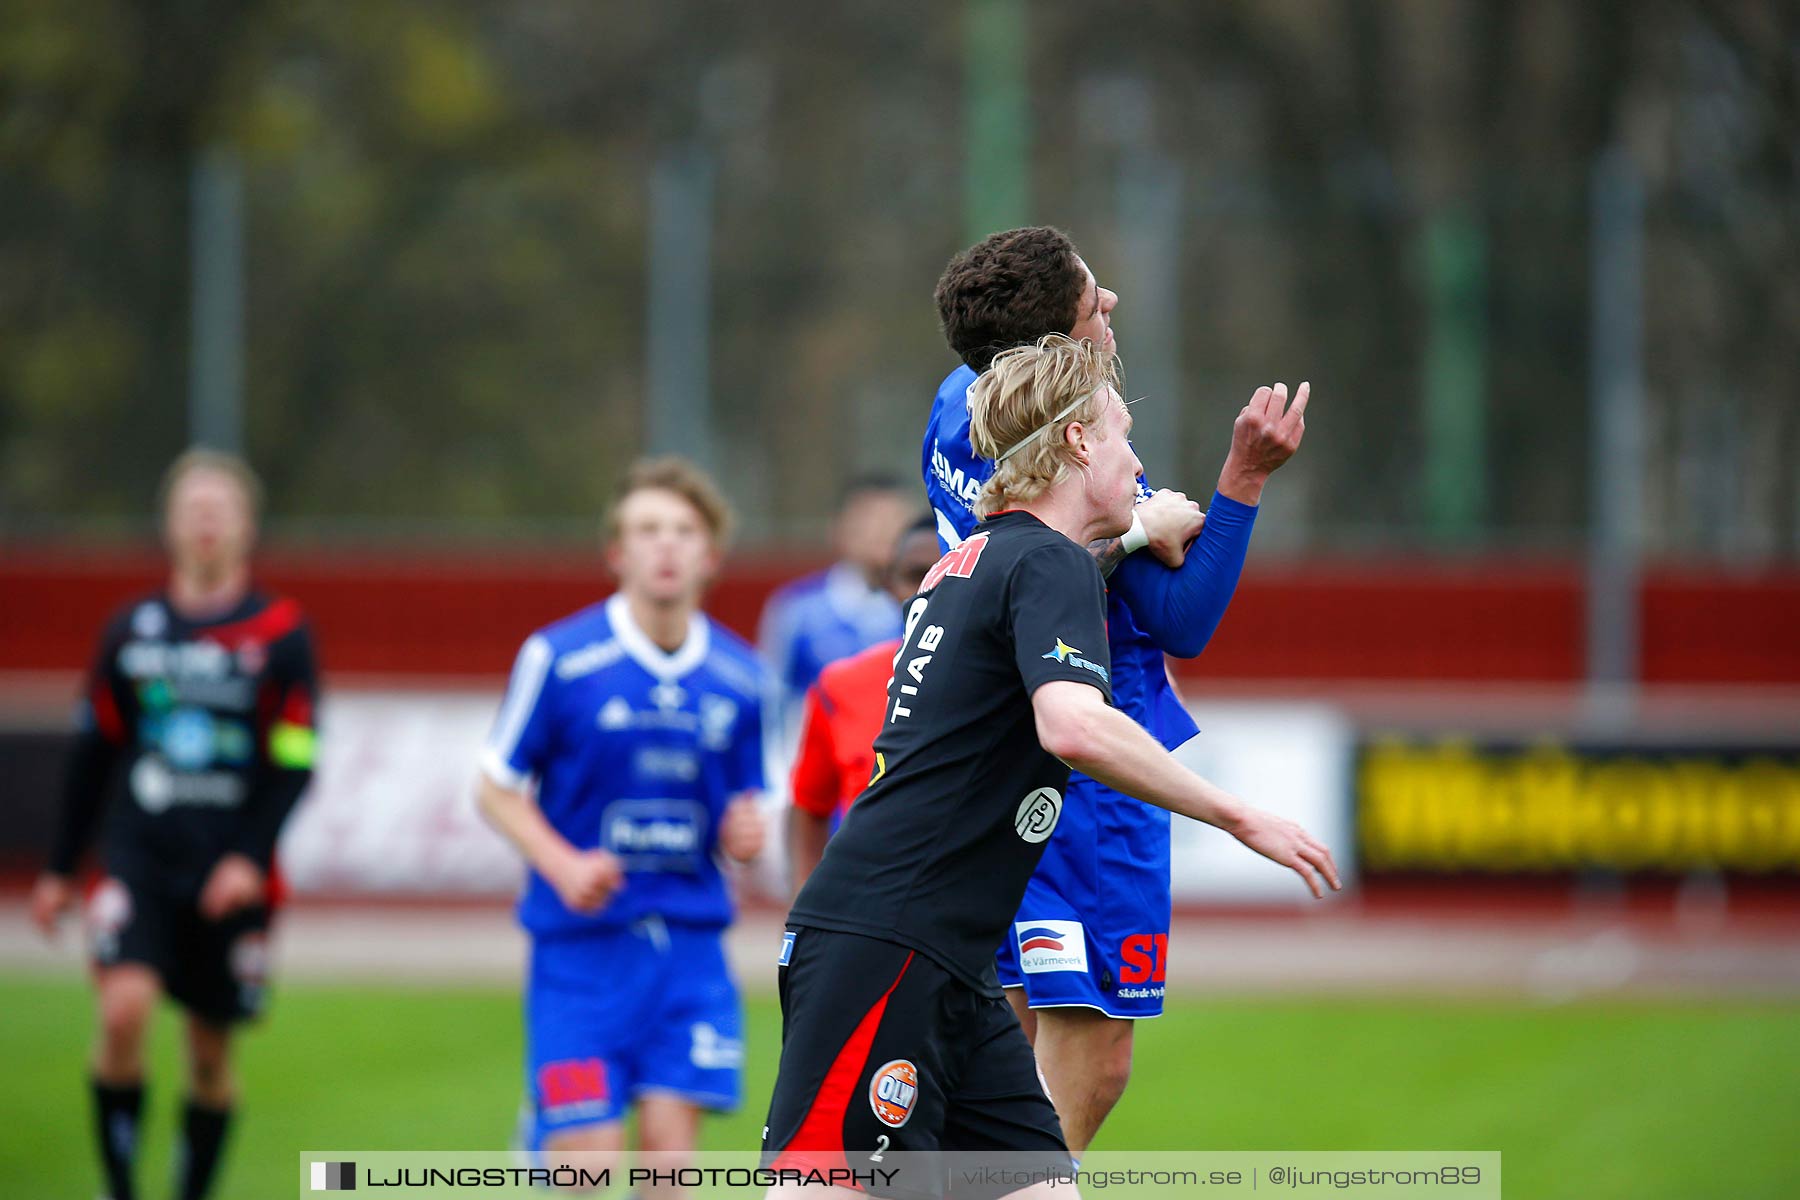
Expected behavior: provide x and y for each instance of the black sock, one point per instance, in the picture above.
(117, 1110)
(202, 1135)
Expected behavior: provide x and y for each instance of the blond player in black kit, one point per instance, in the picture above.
(200, 706)
(895, 1033)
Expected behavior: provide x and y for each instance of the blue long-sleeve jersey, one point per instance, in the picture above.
(1151, 609)
(634, 750)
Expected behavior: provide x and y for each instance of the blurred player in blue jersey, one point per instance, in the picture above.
(837, 612)
(1089, 948)
(625, 760)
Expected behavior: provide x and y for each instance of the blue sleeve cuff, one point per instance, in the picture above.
(1232, 509)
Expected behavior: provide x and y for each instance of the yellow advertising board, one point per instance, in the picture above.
(1462, 806)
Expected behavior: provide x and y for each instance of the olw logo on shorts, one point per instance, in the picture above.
(893, 1091)
(334, 1177)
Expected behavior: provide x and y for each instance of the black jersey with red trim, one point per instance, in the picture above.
(212, 721)
(936, 852)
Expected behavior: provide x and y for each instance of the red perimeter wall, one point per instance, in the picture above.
(465, 613)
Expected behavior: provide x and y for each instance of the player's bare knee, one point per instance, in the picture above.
(122, 1024)
(675, 1147)
(126, 1001)
(1105, 1042)
(668, 1126)
(592, 1151)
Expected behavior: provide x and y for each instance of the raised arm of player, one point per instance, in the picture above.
(1075, 724)
(1181, 607)
(1168, 522)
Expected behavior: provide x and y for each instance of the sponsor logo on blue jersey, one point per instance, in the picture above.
(655, 835)
(965, 485)
(718, 717)
(665, 762)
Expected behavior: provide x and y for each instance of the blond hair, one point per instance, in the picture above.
(673, 474)
(1020, 407)
(204, 458)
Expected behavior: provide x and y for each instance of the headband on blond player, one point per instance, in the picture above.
(1041, 429)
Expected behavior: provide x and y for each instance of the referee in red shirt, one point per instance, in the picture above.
(843, 715)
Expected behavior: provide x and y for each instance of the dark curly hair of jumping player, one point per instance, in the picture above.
(1009, 289)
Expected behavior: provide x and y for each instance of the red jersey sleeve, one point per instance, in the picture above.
(816, 785)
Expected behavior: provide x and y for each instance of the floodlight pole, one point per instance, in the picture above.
(997, 117)
(216, 325)
(1616, 396)
(1148, 212)
(1455, 375)
(679, 351)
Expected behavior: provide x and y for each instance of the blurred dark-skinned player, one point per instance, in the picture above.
(202, 697)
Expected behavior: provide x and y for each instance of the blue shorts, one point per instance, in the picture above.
(613, 1013)
(1093, 929)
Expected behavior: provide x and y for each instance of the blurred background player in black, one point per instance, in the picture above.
(204, 693)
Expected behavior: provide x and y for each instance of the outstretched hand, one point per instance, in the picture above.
(1265, 435)
(1281, 840)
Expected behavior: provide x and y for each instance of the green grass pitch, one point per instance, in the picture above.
(1637, 1100)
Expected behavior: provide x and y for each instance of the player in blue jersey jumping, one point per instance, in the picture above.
(625, 760)
(1088, 950)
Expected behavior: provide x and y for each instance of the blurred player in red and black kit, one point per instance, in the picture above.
(204, 693)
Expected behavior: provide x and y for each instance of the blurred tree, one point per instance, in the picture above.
(105, 106)
(447, 222)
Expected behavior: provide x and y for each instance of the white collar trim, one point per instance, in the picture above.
(666, 667)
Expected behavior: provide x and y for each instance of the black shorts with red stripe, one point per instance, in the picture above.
(883, 1050)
